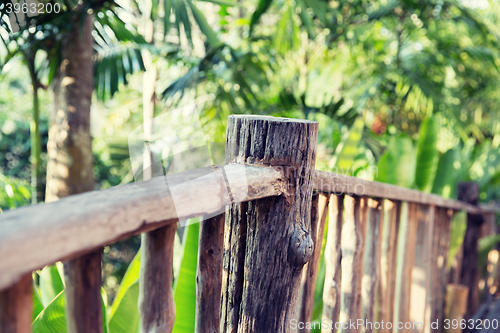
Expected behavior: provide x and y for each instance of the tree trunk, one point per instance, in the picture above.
(69, 169)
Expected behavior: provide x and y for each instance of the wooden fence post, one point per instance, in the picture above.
(83, 293)
(406, 256)
(333, 256)
(268, 241)
(372, 260)
(352, 245)
(16, 306)
(209, 275)
(392, 217)
(469, 192)
(156, 301)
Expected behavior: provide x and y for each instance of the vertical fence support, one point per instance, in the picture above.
(268, 242)
(209, 275)
(439, 256)
(319, 209)
(352, 245)
(371, 276)
(333, 256)
(469, 192)
(83, 293)
(406, 256)
(392, 214)
(16, 306)
(156, 301)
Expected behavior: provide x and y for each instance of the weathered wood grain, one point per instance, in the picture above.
(352, 246)
(372, 261)
(333, 256)
(40, 235)
(420, 281)
(83, 293)
(16, 306)
(343, 184)
(156, 301)
(439, 257)
(406, 256)
(264, 269)
(209, 274)
(392, 214)
(455, 306)
(319, 210)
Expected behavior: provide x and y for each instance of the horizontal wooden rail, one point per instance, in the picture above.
(341, 184)
(35, 236)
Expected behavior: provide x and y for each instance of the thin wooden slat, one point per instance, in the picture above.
(319, 210)
(156, 301)
(261, 294)
(429, 267)
(83, 294)
(440, 247)
(372, 261)
(420, 281)
(333, 256)
(35, 236)
(343, 184)
(16, 307)
(406, 256)
(352, 245)
(392, 215)
(209, 274)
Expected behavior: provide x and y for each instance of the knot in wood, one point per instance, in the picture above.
(301, 247)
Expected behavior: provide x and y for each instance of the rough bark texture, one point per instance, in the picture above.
(83, 293)
(392, 214)
(333, 257)
(69, 170)
(319, 210)
(371, 276)
(456, 305)
(156, 301)
(209, 275)
(16, 306)
(352, 245)
(404, 269)
(440, 246)
(268, 241)
(469, 192)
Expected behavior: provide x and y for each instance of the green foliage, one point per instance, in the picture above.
(52, 319)
(427, 155)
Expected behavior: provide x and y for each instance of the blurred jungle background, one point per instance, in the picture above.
(405, 91)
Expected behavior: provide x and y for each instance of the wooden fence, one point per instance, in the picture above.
(385, 253)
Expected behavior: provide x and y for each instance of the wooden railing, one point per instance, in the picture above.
(259, 253)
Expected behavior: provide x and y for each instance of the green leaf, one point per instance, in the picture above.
(203, 24)
(51, 284)
(445, 180)
(125, 318)
(397, 164)
(262, 7)
(167, 9)
(349, 148)
(457, 233)
(225, 3)
(181, 15)
(130, 277)
(427, 154)
(185, 285)
(37, 302)
(53, 318)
